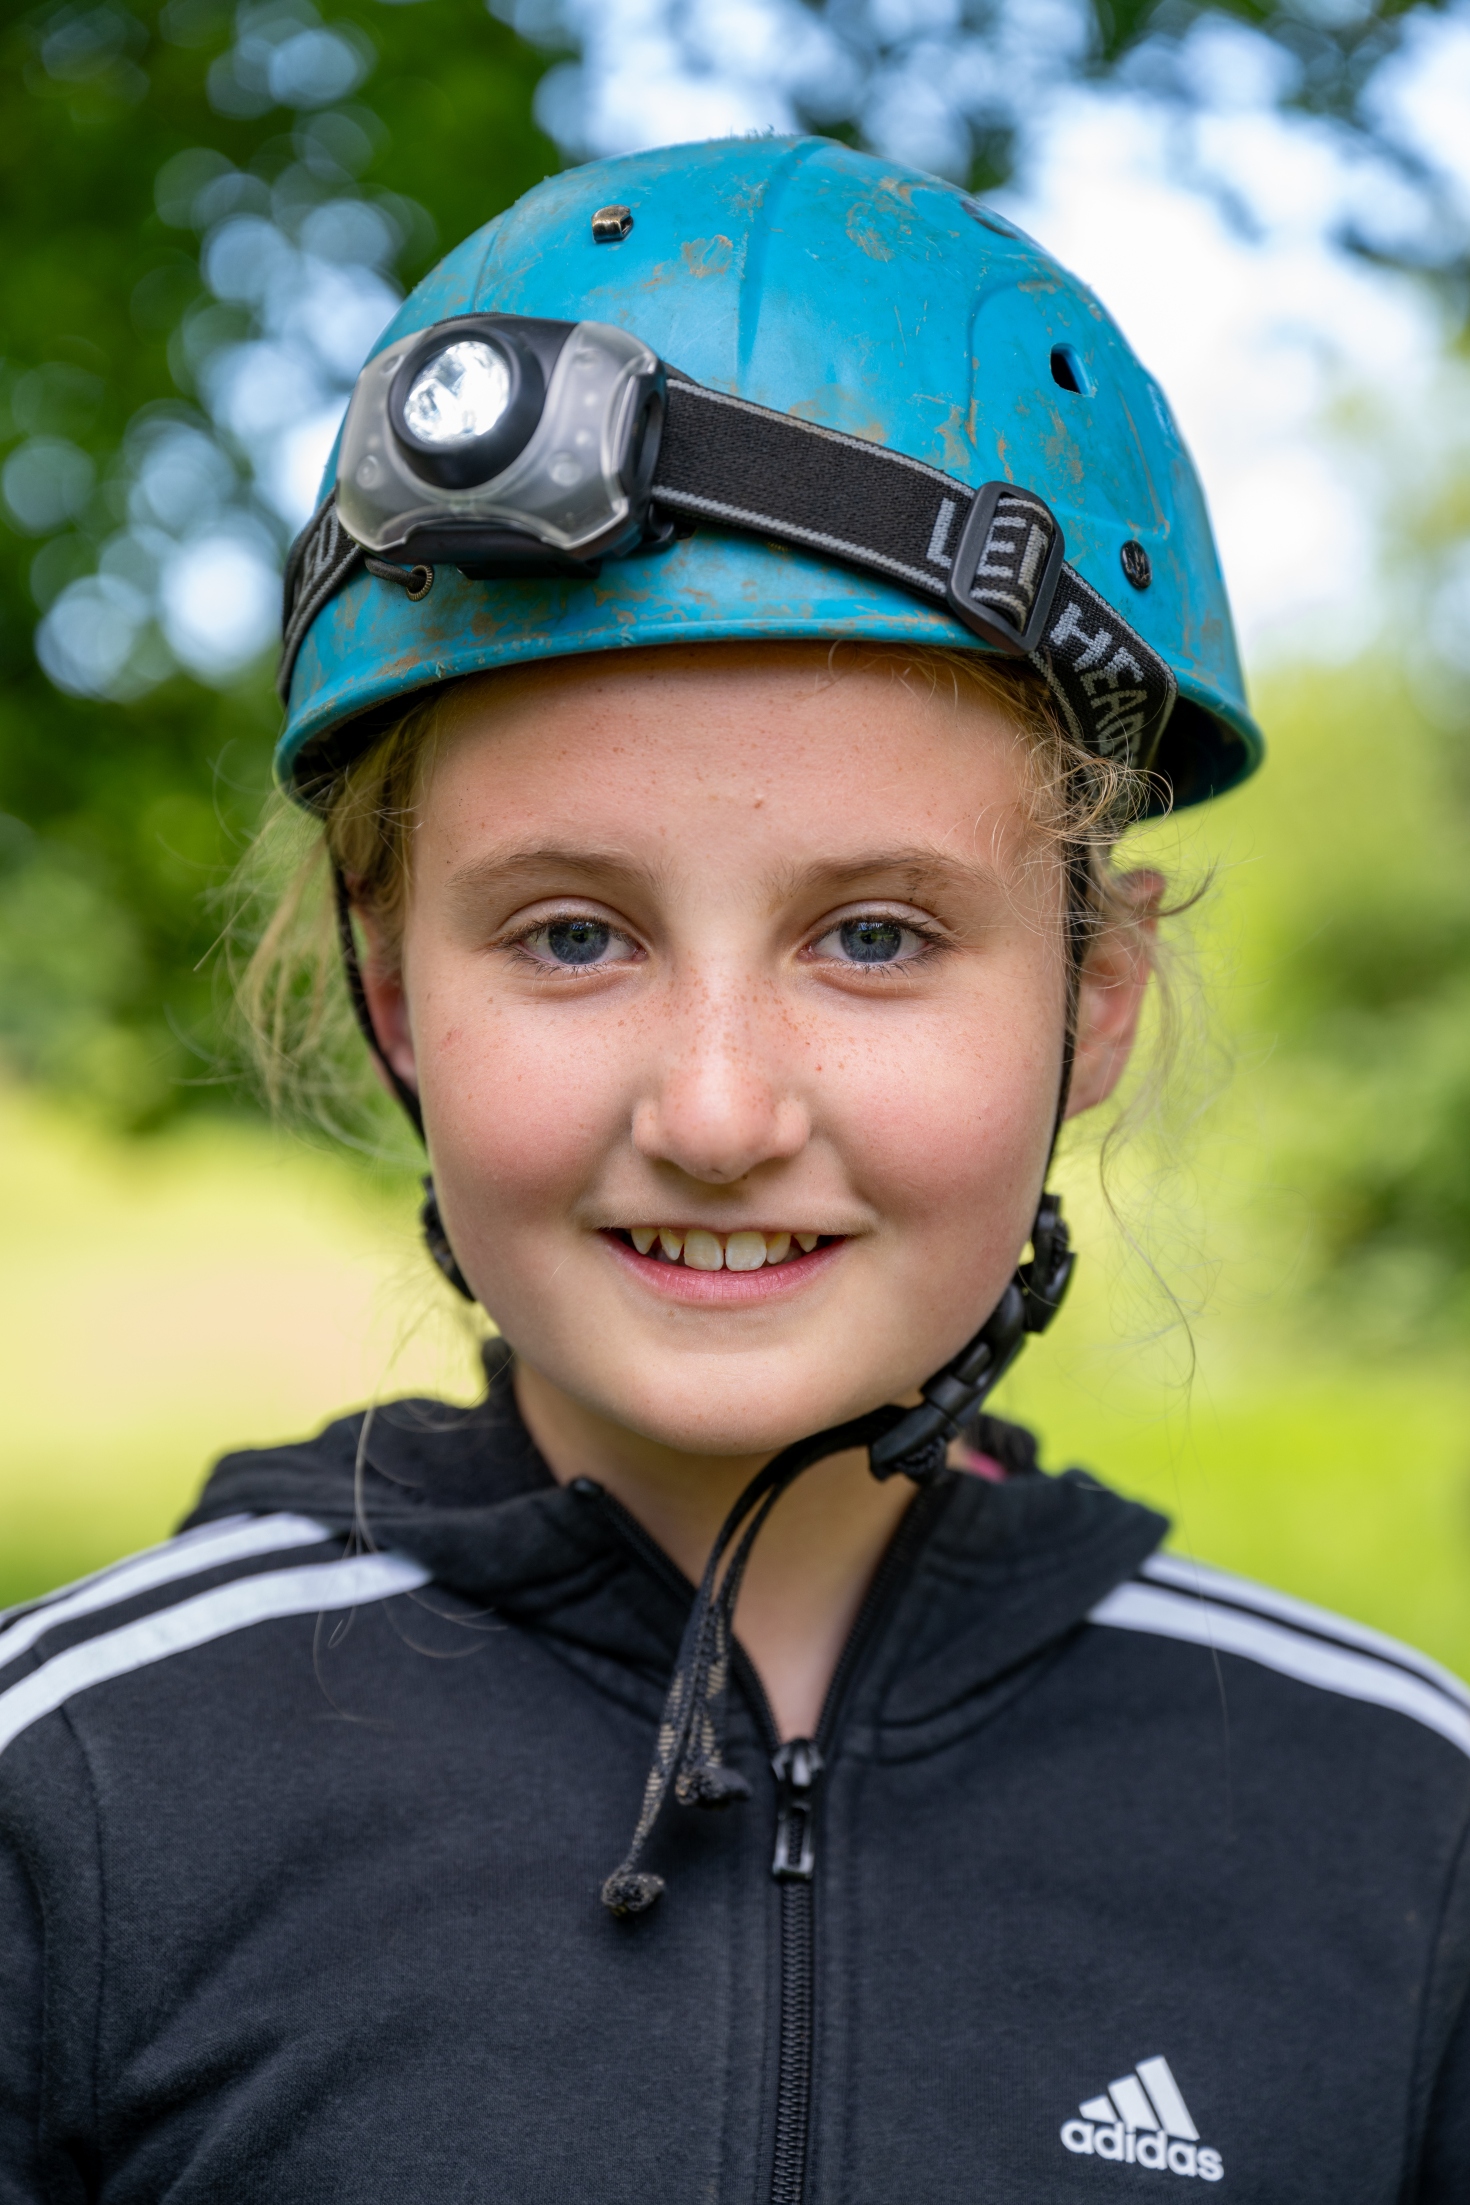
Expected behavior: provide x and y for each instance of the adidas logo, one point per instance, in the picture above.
(1142, 2119)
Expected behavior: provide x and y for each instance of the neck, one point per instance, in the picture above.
(809, 1569)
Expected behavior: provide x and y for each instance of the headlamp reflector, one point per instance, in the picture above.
(458, 395)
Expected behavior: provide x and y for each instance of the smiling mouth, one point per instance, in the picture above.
(697, 1249)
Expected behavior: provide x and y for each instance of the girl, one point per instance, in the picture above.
(757, 588)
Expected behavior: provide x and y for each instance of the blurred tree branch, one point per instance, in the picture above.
(208, 213)
(210, 209)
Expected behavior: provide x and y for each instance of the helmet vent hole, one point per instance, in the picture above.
(1068, 372)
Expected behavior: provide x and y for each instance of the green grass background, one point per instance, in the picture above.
(221, 1285)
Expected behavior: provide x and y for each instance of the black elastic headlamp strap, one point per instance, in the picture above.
(992, 558)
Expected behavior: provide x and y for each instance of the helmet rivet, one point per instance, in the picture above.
(1136, 564)
(610, 225)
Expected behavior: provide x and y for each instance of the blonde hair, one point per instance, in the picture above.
(298, 1027)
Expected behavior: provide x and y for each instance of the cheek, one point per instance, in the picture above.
(957, 1122)
(519, 1104)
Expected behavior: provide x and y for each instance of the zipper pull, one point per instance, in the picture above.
(798, 1766)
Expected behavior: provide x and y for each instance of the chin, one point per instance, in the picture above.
(726, 1415)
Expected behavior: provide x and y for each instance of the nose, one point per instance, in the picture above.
(722, 1102)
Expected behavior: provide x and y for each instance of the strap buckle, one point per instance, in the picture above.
(918, 1442)
(1005, 568)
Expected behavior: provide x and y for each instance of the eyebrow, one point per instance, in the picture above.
(920, 868)
(503, 868)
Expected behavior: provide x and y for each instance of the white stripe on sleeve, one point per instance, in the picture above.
(95, 1577)
(1333, 1668)
(234, 1540)
(1197, 1577)
(315, 1590)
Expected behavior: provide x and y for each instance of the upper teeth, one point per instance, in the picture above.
(706, 1251)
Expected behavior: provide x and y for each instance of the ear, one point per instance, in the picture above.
(387, 1000)
(1115, 976)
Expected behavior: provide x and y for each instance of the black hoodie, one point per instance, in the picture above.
(1105, 1875)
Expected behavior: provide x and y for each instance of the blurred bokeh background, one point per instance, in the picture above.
(210, 210)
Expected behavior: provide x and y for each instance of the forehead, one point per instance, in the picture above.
(747, 740)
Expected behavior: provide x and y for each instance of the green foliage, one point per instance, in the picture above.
(134, 805)
(131, 135)
(1360, 904)
(224, 1289)
(1334, 48)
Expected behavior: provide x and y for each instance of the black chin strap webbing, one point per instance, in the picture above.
(405, 1095)
(688, 1754)
(431, 1224)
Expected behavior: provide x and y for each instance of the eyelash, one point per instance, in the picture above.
(933, 942)
(516, 943)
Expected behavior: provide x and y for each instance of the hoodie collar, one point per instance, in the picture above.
(990, 1574)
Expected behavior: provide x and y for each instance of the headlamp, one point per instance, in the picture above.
(503, 443)
(509, 446)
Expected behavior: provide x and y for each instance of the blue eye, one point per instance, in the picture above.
(578, 941)
(872, 941)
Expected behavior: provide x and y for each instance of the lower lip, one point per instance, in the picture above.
(677, 1283)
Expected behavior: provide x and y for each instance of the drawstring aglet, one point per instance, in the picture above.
(630, 1891)
(710, 1785)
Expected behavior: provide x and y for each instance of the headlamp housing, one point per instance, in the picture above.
(534, 444)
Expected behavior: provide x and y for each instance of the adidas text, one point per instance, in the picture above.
(1142, 2120)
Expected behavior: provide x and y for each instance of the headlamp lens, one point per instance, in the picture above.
(459, 395)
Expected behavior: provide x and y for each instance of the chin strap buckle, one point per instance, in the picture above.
(918, 1444)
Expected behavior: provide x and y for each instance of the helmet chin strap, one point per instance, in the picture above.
(689, 1751)
(431, 1224)
(955, 1395)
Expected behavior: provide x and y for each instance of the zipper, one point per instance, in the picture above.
(798, 1765)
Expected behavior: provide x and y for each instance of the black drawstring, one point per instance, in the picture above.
(689, 1751)
(688, 1756)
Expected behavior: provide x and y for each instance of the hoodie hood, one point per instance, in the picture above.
(986, 1574)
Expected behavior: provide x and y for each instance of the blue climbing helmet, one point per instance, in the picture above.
(755, 389)
(762, 388)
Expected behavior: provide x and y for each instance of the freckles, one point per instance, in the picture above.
(530, 1108)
